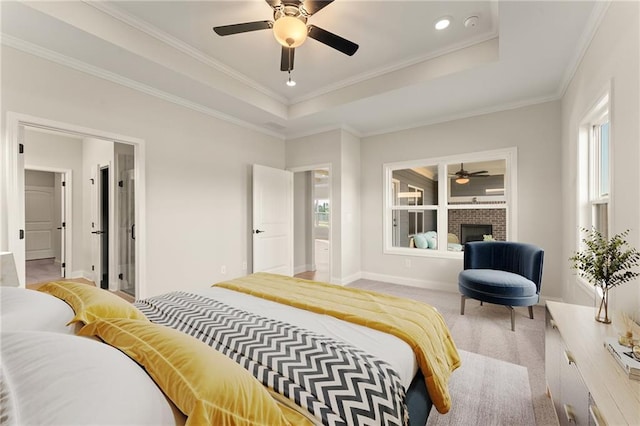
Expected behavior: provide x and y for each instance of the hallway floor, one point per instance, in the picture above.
(42, 270)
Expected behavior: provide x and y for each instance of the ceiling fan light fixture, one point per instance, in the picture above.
(290, 31)
(462, 180)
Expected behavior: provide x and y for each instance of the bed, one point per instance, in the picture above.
(261, 349)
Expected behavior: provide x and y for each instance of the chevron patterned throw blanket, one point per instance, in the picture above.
(335, 382)
(418, 324)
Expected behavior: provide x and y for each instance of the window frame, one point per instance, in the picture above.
(589, 172)
(509, 155)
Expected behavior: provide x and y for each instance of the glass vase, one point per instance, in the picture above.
(601, 302)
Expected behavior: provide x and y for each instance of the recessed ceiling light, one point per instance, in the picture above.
(442, 23)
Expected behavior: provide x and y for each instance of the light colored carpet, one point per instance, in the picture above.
(486, 330)
(487, 391)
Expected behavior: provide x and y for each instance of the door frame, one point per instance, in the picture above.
(311, 168)
(15, 186)
(66, 236)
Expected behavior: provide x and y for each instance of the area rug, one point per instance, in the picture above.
(487, 391)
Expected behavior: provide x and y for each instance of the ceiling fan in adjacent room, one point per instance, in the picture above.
(462, 176)
(290, 28)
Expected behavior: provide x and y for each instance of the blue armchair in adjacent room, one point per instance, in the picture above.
(502, 272)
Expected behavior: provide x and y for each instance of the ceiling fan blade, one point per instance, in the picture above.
(226, 30)
(342, 44)
(477, 173)
(286, 60)
(313, 6)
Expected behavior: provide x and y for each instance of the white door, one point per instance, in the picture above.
(272, 220)
(39, 222)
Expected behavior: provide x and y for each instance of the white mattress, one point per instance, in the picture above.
(382, 345)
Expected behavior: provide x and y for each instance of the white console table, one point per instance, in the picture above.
(585, 382)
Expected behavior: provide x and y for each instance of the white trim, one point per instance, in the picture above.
(511, 184)
(349, 279)
(465, 114)
(583, 201)
(397, 66)
(321, 130)
(447, 287)
(412, 282)
(15, 214)
(593, 24)
(126, 82)
(183, 47)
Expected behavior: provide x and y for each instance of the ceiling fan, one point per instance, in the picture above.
(462, 176)
(291, 30)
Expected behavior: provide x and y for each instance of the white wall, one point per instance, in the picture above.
(350, 215)
(612, 58)
(198, 174)
(341, 150)
(46, 150)
(323, 148)
(534, 130)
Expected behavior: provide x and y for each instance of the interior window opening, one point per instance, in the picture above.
(429, 214)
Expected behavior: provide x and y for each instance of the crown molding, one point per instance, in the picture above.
(181, 46)
(325, 129)
(392, 68)
(467, 114)
(52, 56)
(595, 19)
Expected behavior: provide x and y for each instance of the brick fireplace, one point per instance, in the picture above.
(495, 218)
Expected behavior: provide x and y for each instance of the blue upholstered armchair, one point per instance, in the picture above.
(502, 272)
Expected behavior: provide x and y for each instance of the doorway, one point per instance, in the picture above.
(312, 222)
(46, 224)
(103, 227)
(126, 217)
(15, 145)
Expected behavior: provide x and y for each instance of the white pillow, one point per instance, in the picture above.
(24, 309)
(58, 379)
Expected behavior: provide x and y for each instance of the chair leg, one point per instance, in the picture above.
(513, 317)
(462, 299)
(531, 312)
(481, 302)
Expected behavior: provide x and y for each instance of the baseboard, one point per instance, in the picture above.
(413, 282)
(346, 280)
(303, 268)
(80, 274)
(543, 300)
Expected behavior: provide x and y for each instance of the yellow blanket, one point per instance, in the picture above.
(418, 324)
